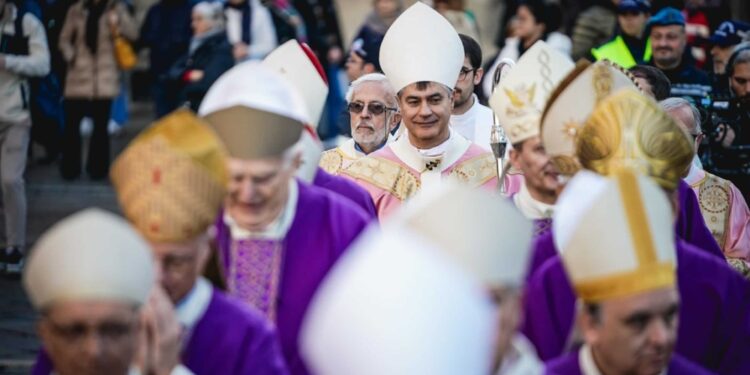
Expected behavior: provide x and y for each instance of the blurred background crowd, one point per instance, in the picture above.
(70, 70)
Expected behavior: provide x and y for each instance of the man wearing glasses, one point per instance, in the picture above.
(470, 118)
(422, 56)
(373, 110)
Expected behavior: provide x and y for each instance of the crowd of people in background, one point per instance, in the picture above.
(62, 74)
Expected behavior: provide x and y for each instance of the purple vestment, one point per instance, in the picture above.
(323, 227)
(570, 365)
(229, 338)
(689, 226)
(347, 189)
(714, 329)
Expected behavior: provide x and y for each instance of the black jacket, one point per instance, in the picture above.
(213, 58)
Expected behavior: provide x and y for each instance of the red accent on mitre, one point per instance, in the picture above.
(314, 59)
(156, 176)
(310, 130)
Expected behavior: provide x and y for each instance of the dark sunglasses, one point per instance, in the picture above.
(374, 108)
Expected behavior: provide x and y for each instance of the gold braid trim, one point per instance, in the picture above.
(476, 171)
(332, 161)
(386, 175)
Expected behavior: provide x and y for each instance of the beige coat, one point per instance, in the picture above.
(93, 76)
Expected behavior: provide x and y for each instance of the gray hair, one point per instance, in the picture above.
(211, 11)
(670, 104)
(373, 77)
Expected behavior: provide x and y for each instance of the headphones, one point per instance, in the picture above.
(730, 62)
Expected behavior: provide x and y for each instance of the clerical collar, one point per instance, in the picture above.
(530, 207)
(696, 173)
(190, 309)
(437, 158)
(588, 366)
(278, 229)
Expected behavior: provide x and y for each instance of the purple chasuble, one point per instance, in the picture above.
(714, 329)
(689, 226)
(323, 227)
(347, 189)
(230, 338)
(570, 365)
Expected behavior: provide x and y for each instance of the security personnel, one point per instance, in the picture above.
(629, 47)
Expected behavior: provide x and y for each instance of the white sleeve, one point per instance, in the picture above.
(36, 64)
(181, 370)
(263, 32)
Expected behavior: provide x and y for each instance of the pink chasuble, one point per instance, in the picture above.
(726, 214)
(398, 171)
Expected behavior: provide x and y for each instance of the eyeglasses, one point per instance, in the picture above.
(464, 72)
(373, 108)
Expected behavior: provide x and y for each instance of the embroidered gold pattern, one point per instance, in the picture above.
(384, 174)
(602, 81)
(332, 161)
(475, 171)
(714, 197)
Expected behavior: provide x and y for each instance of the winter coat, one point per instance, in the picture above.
(594, 27)
(213, 57)
(93, 76)
(14, 87)
(166, 33)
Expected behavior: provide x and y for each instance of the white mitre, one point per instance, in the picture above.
(421, 45)
(90, 255)
(395, 305)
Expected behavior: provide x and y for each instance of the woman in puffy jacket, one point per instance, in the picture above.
(92, 79)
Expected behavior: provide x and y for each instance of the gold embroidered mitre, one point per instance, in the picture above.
(629, 129)
(519, 99)
(632, 248)
(171, 179)
(571, 103)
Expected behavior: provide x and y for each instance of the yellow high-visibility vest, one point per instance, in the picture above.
(618, 52)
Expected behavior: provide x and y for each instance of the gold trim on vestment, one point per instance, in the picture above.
(386, 175)
(715, 197)
(332, 161)
(644, 279)
(476, 171)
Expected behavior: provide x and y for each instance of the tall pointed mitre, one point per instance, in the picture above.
(299, 65)
(395, 305)
(519, 99)
(630, 129)
(481, 231)
(171, 179)
(421, 45)
(255, 111)
(615, 235)
(571, 104)
(92, 255)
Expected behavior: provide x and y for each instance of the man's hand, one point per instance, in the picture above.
(195, 75)
(240, 51)
(160, 336)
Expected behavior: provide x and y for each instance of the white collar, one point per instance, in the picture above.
(530, 207)
(588, 366)
(521, 359)
(451, 150)
(696, 173)
(278, 228)
(193, 306)
(348, 149)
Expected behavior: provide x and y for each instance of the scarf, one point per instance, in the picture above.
(198, 40)
(96, 9)
(247, 12)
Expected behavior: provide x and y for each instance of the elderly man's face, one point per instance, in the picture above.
(426, 111)
(370, 129)
(258, 190)
(180, 264)
(668, 44)
(90, 337)
(635, 334)
(683, 116)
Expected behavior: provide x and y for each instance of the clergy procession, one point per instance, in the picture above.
(567, 228)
